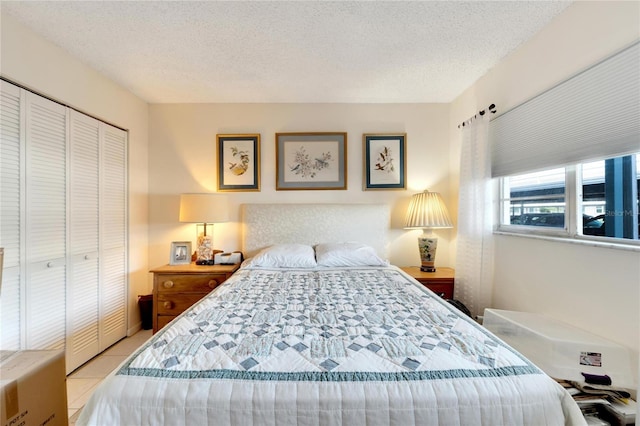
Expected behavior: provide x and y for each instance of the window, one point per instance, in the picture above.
(535, 199)
(591, 116)
(610, 197)
(604, 206)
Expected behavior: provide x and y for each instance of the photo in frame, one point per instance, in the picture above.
(385, 159)
(238, 162)
(316, 160)
(180, 253)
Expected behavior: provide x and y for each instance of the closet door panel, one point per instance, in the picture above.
(46, 180)
(114, 188)
(46, 315)
(113, 236)
(10, 312)
(46, 223)
(113, 298)
(84, 183)
(11, 159)
(83, 283)
(63, 225)
(82, 311)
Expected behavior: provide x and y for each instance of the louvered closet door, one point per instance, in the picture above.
(113, 236)
(83, 282)
(11, 129)
(46, 218)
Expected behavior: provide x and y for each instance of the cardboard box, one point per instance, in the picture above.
(33, 390)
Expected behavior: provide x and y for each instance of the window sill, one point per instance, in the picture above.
(632, 245)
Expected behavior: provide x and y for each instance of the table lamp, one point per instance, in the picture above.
(204, 209)
(427, 211)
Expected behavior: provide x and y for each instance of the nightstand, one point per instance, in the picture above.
(440, 282)
(177, 287)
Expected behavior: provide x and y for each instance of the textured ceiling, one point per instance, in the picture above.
(240, 51)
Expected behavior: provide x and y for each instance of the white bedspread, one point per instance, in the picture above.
(365, 346)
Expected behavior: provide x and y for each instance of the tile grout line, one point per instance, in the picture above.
(95, 370)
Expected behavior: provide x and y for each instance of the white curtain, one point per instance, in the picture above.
(474, 259)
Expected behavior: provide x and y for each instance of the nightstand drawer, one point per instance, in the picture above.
(442, 290)
(164, 320)
(176, 303)
(194, 283)
(177, 287)
(441, 281)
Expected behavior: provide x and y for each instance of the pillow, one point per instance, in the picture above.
(348, 254)
(284, 256)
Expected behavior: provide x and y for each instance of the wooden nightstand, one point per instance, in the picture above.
(440, 282)
(177, 287)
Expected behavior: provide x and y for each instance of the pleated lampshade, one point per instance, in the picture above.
(427, 210)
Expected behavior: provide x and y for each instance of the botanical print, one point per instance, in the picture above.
(384, 161)
(305, 167)
(238, 157)
(315, 161)
(239, 168)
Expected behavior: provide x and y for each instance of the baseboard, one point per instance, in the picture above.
(133, 330)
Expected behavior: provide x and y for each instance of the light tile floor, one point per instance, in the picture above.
(82, 382)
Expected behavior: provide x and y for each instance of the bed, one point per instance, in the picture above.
(316, 328)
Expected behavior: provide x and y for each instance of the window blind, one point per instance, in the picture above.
(595, 114)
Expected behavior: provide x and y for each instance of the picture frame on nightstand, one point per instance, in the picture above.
(180, 253)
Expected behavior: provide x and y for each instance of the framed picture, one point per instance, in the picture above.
(311, 161)
(385, 159)
(180, 253)
(238, 162)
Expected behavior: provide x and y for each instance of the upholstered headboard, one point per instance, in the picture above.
(267, 224)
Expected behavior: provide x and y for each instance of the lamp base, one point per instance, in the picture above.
(427, 246)
(205, 250)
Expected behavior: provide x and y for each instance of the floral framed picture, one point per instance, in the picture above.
(238, 162)
(385, 159)
(180, 253)
(311, 161)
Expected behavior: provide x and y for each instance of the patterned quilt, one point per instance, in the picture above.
(357, 347)
(315, 325)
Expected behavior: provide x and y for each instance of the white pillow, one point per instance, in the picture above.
(348, 254)
(284, 256)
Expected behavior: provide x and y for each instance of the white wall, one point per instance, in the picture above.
(590, 287)
(182, 158)
(36, 64)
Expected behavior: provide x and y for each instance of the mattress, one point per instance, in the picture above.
(356, 346)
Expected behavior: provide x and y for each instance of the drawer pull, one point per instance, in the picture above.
(49, 264)
(168, 304)
(168, 284)
(86, 257)
(213, 283)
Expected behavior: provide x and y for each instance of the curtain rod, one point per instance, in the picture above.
(491, 108)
